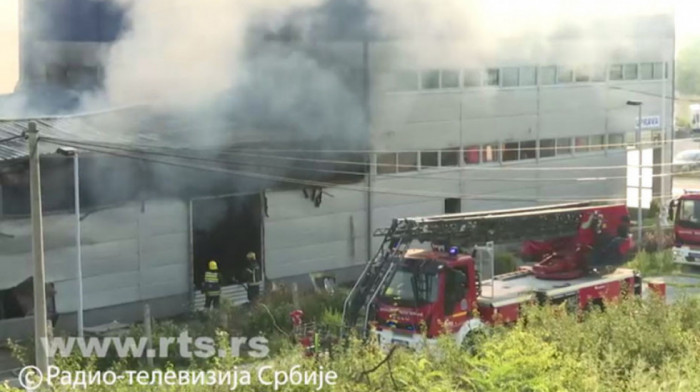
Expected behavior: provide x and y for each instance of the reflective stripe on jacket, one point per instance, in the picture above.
(212, 286)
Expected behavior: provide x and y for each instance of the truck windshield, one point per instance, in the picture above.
(689, 213)
(412, 286)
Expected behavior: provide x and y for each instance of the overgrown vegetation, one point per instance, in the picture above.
(634, 345)
(654, 263)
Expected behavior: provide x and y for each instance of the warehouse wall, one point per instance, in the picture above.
(301, 238)
(130, 254)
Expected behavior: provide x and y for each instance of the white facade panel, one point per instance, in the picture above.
(301, 238)
(123, 251)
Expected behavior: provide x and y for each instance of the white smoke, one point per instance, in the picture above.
(478, 31)
(180, 52)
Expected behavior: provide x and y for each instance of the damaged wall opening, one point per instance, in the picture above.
(18, 301)
(225, 229)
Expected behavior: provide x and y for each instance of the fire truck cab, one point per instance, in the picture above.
(684, 212)
(430, 293)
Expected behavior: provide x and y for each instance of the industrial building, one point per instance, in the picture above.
(442, 135)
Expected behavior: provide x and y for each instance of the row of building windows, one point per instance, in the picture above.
(73, 76)
(410, 80)
(401, 162)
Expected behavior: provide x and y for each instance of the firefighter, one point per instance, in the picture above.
(254, 280)
(211, 287)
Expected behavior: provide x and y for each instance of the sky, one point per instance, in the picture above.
(687, 16)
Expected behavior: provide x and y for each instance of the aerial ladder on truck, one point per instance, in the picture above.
(467, 231)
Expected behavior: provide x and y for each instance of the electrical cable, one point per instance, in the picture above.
(494, 196)
(422, 175)
(9, 139)
(208, 160)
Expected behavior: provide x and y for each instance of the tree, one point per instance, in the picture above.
(688, 69)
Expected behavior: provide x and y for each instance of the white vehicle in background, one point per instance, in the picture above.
(687, 161)
(695, 118)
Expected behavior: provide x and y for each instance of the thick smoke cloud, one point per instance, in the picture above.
(178, 52)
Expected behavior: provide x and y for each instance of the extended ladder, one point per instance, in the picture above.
(463, 230)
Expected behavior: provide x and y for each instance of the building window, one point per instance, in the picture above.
(598, 73)
(408, 161)
(582, 144)
(547, 148)
(511, 77)
(490, 153)
(658, 71)
(471, 155)
(404, 81)
(548, 75)
(493, 77)
(449, 79)
(472, 78)
(429, 159)
(565, 75)
(630, 72)
(430, 80)
(453, 206)
(646, 71)
(386, 163)
(597, 142)
(583, 74)
(563, 146)
(57, 74)
(449, 157)
(510, 151)
(616, 72)
(528, 76)
(528, 149)
(616, 141)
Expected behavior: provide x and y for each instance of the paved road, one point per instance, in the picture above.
(673, 291)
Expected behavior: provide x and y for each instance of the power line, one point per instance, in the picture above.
(9, 139)
(501, 168)
(424, 175)
(314, 183)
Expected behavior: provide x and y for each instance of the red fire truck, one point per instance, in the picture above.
(404, 292)
(684, 212)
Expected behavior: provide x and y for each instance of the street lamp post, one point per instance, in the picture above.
(71, 152)
(638, 104)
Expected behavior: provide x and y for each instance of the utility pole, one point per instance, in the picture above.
(640, 223)
(40, 327)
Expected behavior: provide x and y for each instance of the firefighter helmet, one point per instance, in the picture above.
(213, 266)
(251, 256)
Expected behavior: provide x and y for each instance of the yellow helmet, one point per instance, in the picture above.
(213, 266)
(251, 255)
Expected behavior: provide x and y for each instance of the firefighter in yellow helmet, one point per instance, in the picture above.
(254, 277)
(211, 287)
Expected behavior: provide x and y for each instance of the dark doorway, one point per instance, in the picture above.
(225, 229)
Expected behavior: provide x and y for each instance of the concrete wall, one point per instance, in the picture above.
(129, 254)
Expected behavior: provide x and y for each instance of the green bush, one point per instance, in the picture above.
(654, 264)
(504, 263)
(634, 345)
